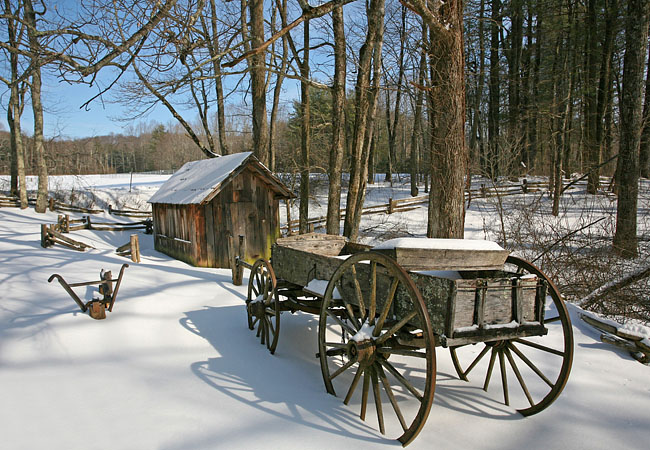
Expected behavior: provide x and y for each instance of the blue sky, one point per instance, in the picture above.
(64, 116)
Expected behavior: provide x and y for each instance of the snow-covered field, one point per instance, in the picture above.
(174, 366)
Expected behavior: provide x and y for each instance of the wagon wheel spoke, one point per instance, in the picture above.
(372, 307)
(343, 325)
(357, 291)
(379, 294)
(463, 374)
(530, 364)
(395, 328)
(353, 386)
(387, 304)
(522, 383)
(391, 396)
(488, 374)
(262, 304)
(504, 378)
(364, 393)
(377, 396)
(540, 347)
(343, 368)
(547, 355)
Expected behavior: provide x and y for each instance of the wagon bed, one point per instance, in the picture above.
(382, 312)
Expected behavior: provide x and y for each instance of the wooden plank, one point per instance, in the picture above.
(318, 243)
(210, 233)
(447, 259)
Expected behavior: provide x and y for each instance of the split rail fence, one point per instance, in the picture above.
(409, 204)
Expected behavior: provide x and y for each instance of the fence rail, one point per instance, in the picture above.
(411, 203)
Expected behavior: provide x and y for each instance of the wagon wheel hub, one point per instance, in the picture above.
(364, 351)
(257, 308)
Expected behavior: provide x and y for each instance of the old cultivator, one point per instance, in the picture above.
(383, 311)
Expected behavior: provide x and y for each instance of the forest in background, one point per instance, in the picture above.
(490, 87)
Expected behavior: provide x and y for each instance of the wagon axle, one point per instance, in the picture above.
(363, 352)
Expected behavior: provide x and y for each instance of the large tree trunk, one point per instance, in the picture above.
(338, 125)
(258, 81)
(644, 153)
(636, 40)
(37, 107)
(448, 148)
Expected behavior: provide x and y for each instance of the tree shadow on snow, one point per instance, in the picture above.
(287, 385)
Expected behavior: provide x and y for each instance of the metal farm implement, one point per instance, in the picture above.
(383, 311)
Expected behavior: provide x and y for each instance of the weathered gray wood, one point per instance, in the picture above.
(601, 325)
(642, 346)
(135, 248)
(616, 341)
(447, 259)
(321, 244)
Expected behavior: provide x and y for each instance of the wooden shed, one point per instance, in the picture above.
(207, 201)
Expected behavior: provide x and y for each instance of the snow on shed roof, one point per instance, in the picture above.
(197, 180)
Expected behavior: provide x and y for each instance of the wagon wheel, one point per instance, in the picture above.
(262, 304)
(541, 365)
(372, 311)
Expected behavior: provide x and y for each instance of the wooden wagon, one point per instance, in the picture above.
(383, 311)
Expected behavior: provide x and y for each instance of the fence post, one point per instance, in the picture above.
(390, 206)
(51, 204)
(287, 202)
(43, 235)
(135, 248)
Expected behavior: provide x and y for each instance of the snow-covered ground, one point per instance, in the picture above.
(174, 366)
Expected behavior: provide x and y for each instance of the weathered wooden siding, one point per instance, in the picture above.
(175, 231)
(248, 207)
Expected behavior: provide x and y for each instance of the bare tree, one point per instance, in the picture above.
(636, 40)
(365, 104)
(17, 85)
(447, 105)
(333, 225)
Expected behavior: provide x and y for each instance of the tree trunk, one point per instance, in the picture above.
(362, 125)
(14, 112)
(636, 40)
(417, 120)
(333, 225)
(592, 148)
(215, 50)
(448, 149)
(605, 82)
(258, 81)
(277, 91)
(305, 144)
(644, 153)
(514, 84)
(37, 107)
(492, 168)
